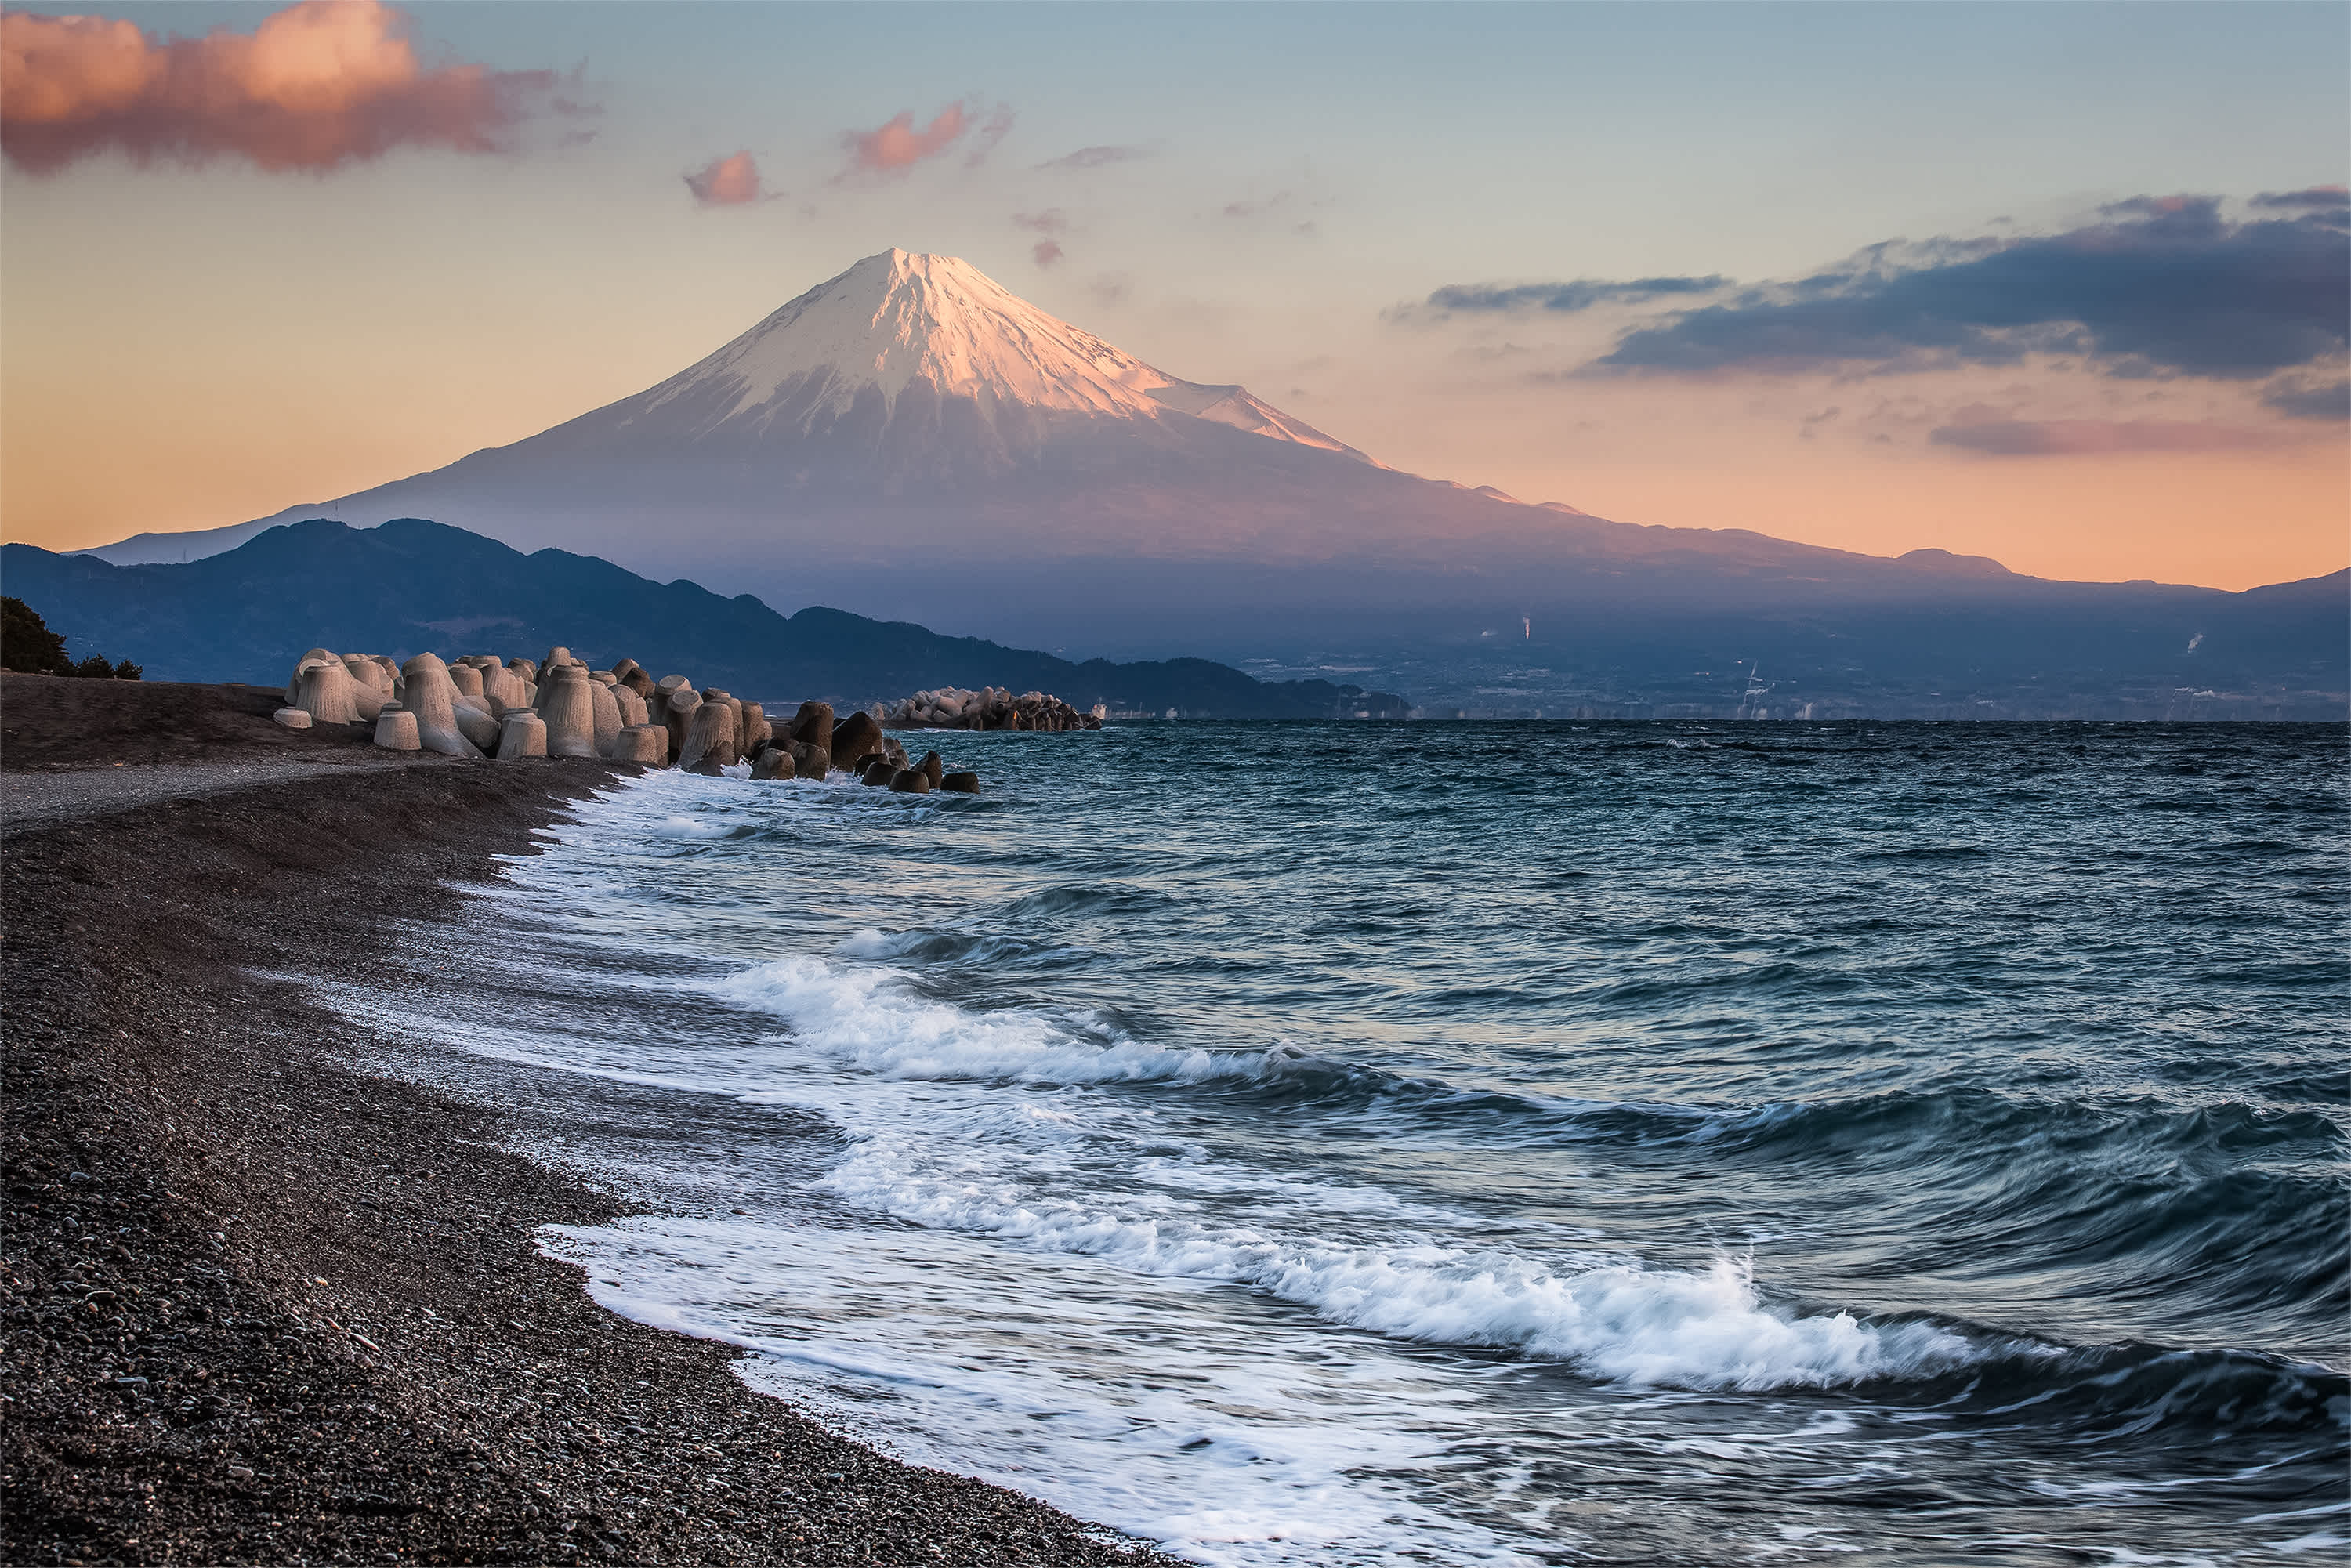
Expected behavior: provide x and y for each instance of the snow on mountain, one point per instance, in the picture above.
(898, 320)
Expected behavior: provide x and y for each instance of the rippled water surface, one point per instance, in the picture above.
(1517, 1142)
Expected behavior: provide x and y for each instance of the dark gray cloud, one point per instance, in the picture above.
(2164, 286)
(2317, 199)
(2075, 438)
(1580, 295)
(2305, 400)
(1095, 157)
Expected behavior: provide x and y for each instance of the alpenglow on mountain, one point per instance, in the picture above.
(911, 428)
(910, 441)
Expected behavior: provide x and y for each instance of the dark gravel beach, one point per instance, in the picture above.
(261, 1307)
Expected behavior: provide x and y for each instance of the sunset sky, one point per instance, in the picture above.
(2064, 285)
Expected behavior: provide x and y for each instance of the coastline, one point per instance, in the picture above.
(265, 1305)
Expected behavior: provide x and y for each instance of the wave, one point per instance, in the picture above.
(869, 1018)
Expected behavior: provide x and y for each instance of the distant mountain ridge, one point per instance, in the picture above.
(411, 586)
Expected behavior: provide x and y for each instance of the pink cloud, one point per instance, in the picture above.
(898, 146)
(317, 85)
(726, 181)
(1047, 253)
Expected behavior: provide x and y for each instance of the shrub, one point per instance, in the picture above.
(27, 644)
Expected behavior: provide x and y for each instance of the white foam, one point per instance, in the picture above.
(869, 1017)
(1614, 1318)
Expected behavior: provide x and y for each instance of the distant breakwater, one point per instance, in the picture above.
(479, 705)
(990, 707)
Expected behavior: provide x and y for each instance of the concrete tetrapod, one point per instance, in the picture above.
(427, 693)
(676, 712)
(395, 729)
(329, 695)
(606, 715)
(521, 733)
(709, 738)
(642, 742)
(476, 723)
(293, 718)
(570, 713)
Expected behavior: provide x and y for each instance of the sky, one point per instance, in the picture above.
(2064, 284)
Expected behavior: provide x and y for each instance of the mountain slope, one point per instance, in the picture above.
(411, 586)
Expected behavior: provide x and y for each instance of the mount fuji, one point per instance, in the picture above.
(910, 441)
(909, 430)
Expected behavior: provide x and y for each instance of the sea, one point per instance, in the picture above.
(1527, 1142)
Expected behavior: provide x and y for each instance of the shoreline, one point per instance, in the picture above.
(268, 1303)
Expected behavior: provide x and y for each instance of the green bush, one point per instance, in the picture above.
(27, 644)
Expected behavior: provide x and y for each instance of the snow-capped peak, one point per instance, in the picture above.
(899, 320)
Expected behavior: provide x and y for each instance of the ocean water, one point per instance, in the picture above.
(1513, 1144)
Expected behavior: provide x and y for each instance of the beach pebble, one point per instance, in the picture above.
(293, 718)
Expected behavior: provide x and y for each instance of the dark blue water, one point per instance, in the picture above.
(1535, 1142)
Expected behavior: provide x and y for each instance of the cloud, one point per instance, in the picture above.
(2305, 400)
(1253, 209)
(316, 85)
(1580, 295)
(897, 146)
(2164, 286)
(726, 181)
(1094, 157)
(2077, 437)
(2317, 199)
(1047, 252)
(995, 129)
(1051, 220)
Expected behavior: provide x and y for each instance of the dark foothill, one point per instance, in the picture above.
(960, 783)
(931, 768)
(880, 771)
(911, 781)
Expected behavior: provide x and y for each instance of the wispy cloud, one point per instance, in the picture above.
(318, 85)
(1582, 294)
(1095, 157)
(726, 181)
(2162, 285)
(993, 129)
(1258, 209)
(1047, 253)
(2309, 399)
(2317, 199)
(1051, 220)
(2077, 437)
